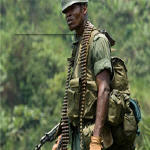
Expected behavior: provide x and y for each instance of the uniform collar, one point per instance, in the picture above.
(77, 39)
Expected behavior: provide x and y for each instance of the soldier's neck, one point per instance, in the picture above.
(79, 31)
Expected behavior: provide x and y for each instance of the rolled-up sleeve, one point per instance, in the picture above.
(101, 54)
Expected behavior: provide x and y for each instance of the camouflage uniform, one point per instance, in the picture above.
(98, 59)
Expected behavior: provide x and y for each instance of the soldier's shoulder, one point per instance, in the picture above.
(99, 35)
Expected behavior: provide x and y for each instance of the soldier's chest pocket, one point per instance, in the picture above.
(74, 97)
(73, 103)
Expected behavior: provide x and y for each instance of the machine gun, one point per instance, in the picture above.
(50, 136)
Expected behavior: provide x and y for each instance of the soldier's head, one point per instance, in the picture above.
(75, 12)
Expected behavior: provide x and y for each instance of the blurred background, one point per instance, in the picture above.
(33, 63)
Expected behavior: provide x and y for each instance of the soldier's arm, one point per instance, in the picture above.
(103, 82)
(102, 70)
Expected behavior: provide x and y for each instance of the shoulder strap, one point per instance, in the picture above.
(110, 39)
(93, 34)
(102, 33)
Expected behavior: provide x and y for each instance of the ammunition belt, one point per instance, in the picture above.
(83, 63)
(83, 66)
(65, 120)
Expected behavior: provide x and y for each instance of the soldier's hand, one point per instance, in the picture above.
(95, 143)
(57, 143)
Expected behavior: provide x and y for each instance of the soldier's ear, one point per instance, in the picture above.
(84, 9)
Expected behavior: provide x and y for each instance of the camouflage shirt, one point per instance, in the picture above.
(98, 59)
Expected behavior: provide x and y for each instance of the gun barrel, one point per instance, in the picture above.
(49, 136)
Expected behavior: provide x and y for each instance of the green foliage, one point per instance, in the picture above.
(33, 67)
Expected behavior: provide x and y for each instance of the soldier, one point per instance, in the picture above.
(87, 112)
(98, 80)
(93, 118)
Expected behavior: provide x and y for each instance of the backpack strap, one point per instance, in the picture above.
(101, 33)
(110, 39)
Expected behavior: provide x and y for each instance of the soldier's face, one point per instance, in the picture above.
(75, 15)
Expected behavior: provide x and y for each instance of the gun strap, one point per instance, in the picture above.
(83, 66)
